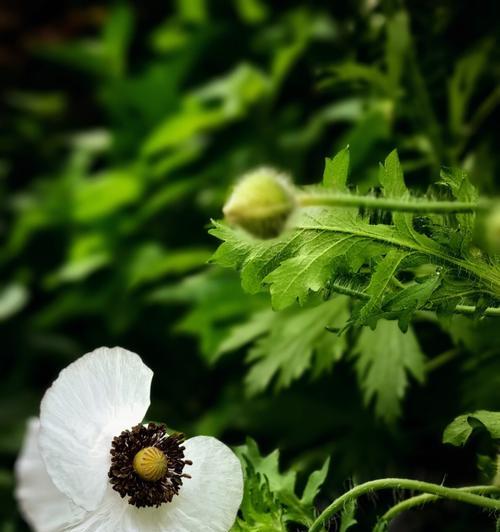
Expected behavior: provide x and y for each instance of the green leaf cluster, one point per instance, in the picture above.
(395, 265)
(270, 501)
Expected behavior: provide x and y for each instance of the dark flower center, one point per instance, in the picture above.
(147, 489)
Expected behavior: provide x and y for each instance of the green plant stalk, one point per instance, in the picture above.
(456, 494)
(467, 310)
(331, 199)
(420, 500)
(441, 360)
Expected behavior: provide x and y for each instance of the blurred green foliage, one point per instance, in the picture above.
(124, 127)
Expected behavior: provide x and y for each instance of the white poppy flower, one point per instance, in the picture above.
(89, 465)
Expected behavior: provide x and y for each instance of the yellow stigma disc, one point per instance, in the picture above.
(150, 464)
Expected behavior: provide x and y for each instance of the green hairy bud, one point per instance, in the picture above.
(261, 202)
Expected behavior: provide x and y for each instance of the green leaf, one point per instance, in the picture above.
(106, 193)
(314, 483)
(221, 101)
(298, 340)
(383, 274)
(384, 359)
(312, 267)
(459, 430)
(462, 83)
(397, 47)
(348, 515)
(151, 262)
(404, 303)
(269, 497)
(337, 171)
(217, 304)
(392, 178)
(256, 325)
(463, 190)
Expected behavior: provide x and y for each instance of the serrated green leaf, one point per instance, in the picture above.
(406, 301)
(314, 483)
(260, 508)
(348, 516)
(269, 496)
(337, 170)
(298, 340)
(242, 334)
(462, 190)
(392, 179)
(217, 305)
(459, 430)
(381, 278)
(384, 358)
(312, 268)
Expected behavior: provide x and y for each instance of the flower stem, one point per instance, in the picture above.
(332, 199)
(402, 483)
(419, 500)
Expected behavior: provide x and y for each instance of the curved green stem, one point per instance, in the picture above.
(402, 483)
(332, 199)
(419, 500)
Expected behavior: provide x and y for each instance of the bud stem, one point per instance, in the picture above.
(457, 494)
(420, 500)
(332, 199)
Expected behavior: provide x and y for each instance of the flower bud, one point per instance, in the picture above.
(261, 203)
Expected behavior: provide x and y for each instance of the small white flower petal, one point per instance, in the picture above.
(207, 502)
(43, 506)
(92, 400)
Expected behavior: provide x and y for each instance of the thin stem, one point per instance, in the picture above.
(332, 199)
(346, 291)
(402, 483)
(441, 359)
(467, 310)
(420, 500)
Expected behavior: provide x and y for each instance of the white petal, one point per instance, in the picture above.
(92, 400)
(207, 502)
(43, 506)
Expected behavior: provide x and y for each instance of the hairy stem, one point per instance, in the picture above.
(332, 199)
(419, 500)
(467, 310)
(402, 483)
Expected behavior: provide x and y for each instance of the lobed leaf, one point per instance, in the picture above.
(384, 359)
(460, 429)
